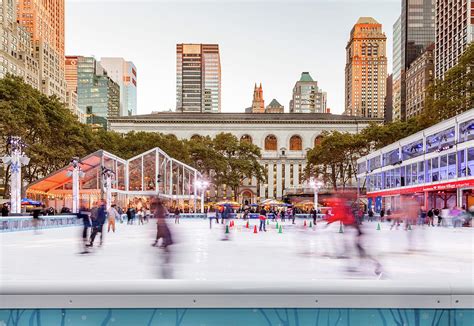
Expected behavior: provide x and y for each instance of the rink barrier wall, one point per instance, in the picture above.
(327, 294)
(24, 223)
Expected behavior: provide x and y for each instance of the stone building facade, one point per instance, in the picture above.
(283, 138)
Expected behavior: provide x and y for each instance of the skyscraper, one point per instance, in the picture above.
(16, 53)
(366, 70)
(417, 33)
(258, 103)
(44, 20)
(198, 78)
(274, 107)
(70, 68)
(123, 73)
(397, 72)
(454, 32)
(307, 96)
(98, 95)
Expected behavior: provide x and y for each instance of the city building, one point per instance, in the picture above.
(124, 73)
(307, 97)
(45, 21)
(419, 77)
(284, 140)
(258, 103)
(198, 78)
(454, 32)
(16, 54)
(366, 70)
(435, 165)
(388, 108)
(70, 68)
(398, 74)
(98, 95)
(274, 107)
(414, 32)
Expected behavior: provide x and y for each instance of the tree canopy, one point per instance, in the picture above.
(53, 136)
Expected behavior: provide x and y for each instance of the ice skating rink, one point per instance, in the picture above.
(198, 253)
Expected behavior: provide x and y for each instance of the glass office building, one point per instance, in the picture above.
(97, 94)
(435, 165)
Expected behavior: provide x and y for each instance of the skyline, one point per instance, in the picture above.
(276, 60)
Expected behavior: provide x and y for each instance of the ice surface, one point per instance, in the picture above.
(198, 253)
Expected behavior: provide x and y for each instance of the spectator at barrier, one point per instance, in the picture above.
(5, 210)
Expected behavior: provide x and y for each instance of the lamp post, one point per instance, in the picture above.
(202, 184)
(108, 174)
(16, 160)
(76, 174)
(315, 184)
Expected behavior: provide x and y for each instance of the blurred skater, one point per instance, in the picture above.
(226, 214)
(98, 224)
(176, 215)
(163, 233)
(84, 214)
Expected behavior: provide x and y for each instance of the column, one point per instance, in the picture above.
(279, 190)
(287, 175)
(296, 174)
(270, 180)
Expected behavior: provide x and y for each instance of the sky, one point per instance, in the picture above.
(268, 42)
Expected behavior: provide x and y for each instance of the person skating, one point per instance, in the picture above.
(112, 216)
(262, 218)
(176, 215)
(314, 215)
(437, 214)
(86, 222)
(226, 214)
(130, 215)
(98, 224)
(162, 232)
(430, 215)
(293, 215)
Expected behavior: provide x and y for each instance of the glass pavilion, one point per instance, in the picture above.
(150, 174)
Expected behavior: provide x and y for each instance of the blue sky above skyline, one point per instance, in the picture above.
(265, 41)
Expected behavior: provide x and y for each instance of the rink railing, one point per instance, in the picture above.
(439, 294)
(24, 223)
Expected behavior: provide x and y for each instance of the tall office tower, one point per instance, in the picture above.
(454, 32)
(307, 97)
(388, 109)
(417, 33)
(258, 103)
(419, 77)
(123, 73)
(71, 87)
(98, 95)
(198, 78)
(16, 53)
(44, 20)
(366, 70)
(397, 72)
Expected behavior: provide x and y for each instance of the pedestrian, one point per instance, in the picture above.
(262, 218)
(437, 214)
(5, 210)
(112, 216)
(162, 232)
(176, 215)
(314, 215)
(84, 214)
(98, 224)
(430, 214)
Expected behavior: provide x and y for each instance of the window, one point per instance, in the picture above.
(452, 166)
(296, 143)
(466, 131)
(246, 138)
(318, 140)
(271, 143)
(462, 163)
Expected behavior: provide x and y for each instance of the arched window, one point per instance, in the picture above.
(246, 138)
(296, 143)
(318, 140)
(271, 143)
